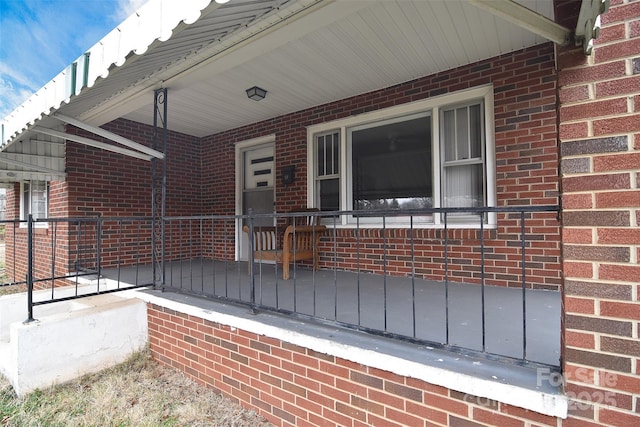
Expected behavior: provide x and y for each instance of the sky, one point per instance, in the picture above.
(40, 38)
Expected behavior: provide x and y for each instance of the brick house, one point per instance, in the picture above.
(504, 114)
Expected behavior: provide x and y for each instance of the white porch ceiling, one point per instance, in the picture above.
(303, 52)
(329, 51)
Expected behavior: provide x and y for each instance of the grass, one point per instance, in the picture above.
(11, 289)
(139, 392)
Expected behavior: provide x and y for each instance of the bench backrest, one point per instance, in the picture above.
(264, 238)
(305, 220)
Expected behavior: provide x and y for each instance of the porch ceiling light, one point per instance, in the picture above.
(256, 93)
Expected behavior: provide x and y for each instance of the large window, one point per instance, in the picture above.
(433, 153)
(391, 164)
(34, 199)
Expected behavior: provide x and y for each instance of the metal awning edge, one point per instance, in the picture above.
(110, 135)
(91, 142)
(154, 22)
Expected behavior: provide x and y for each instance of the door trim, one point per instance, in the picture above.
(240, 148)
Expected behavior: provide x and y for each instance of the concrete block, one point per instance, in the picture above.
(70, 339)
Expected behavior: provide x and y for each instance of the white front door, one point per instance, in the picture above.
(258, 189)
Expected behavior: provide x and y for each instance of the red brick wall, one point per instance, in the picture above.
(294, 386)
(14, 269)
(391, 251)
(45, 239)
(113, 185)
(600, 148)
(526, 168)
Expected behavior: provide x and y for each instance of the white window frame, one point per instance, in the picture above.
(26, 210)
(431, 106)
(444, 164)
(317, 176)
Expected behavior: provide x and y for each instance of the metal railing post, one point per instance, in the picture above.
(252, 279)
(483, 283)
(446, 278)
(54, 236)
(30, 270)
(99, 249)
(524, 285)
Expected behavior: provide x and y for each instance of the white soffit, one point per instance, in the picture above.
(303, 52)
(343, 49)
(214, 35)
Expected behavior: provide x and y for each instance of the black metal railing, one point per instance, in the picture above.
(470, 245)
(61, 259)
(484, 281)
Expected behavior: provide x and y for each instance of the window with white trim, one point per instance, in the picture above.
(462, 139)
(34, 199)
(327, 170)
(433, 153)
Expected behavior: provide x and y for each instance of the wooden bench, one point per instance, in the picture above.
(299, 242)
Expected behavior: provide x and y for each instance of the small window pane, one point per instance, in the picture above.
(39, 199)
(463, 186)
(329, 191)
(26, 200)
(327, 151)
(328, 147)
(320, 156)
(449, 133)
(475, 126)
(462, 134)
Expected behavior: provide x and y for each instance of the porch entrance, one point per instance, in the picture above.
(258, 190)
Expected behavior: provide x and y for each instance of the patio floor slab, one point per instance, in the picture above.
(429, 311)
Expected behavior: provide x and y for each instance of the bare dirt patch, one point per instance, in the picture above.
(139, 392)
(11, 289)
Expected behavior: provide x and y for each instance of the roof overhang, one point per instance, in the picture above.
(35, 158)
(304, 52)
(526, 18)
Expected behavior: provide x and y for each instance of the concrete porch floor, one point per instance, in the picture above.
(396, 305)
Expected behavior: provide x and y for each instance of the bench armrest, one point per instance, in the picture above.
(304, 236)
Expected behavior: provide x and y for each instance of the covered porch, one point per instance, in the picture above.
(489, 286)
(493, 293)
